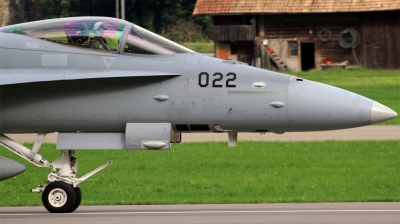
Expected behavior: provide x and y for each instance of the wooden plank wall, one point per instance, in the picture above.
(298, 26)
(286, 26)
(245, 51)
(380, 35)
(380, 45)
(233, 28)
(224, 20)
(332, 50)
(233, 33)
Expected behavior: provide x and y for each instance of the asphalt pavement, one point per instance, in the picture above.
(349, 213)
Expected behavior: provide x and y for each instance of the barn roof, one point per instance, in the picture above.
(207, 7)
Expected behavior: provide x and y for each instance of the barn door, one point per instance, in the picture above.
(307, 56)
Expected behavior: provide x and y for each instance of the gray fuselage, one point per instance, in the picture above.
(70, 90)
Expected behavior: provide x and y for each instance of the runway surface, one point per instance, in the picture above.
(216, 214)
(384, 132)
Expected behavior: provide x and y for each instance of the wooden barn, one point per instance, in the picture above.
(306, 34)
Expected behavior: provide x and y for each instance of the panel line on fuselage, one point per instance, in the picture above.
(254, 92)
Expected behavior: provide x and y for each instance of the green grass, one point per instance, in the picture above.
(381, 86)
(253, 172)
(201, 47)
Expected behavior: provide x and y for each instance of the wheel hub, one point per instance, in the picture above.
(57, 197)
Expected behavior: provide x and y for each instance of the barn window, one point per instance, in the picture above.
(293, 48)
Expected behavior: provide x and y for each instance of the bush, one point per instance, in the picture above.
(185, 31)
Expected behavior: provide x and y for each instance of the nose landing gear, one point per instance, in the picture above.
(61, 193)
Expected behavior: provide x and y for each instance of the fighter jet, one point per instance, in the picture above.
(105, 83)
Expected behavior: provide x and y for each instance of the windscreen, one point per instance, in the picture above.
(142, 41)
(94, 33)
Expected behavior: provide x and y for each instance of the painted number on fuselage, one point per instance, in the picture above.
(201, 83)
(231, 79)
(204, 78)
(217, 80)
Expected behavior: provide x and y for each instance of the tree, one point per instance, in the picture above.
(23, 11)
(160, 16)
(185, 31)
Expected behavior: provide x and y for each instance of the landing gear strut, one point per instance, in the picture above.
(61, 193)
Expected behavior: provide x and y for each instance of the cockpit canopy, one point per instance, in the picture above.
(98, 34)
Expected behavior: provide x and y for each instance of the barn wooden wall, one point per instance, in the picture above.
(233, 33)
(298, 27)
(233, 28)
(244, 51)
(380, 45)
(380, 35)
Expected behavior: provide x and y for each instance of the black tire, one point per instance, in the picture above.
(78, 200)
(355, 38)
(323, 33)
(59, 197)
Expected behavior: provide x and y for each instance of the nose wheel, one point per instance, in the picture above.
(78, 200)
(61, 197)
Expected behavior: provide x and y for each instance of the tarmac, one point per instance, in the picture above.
(349, 213)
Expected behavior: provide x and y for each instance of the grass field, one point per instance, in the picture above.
(253, 172)
(201, 47)
(381, 86)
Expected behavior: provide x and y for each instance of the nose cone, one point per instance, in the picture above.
(314, 106)
(10, 168)
(380, 113)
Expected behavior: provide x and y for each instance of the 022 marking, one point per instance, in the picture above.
(204, 79)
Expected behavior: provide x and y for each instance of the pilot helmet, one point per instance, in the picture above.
(76, 32)
(99, 28)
